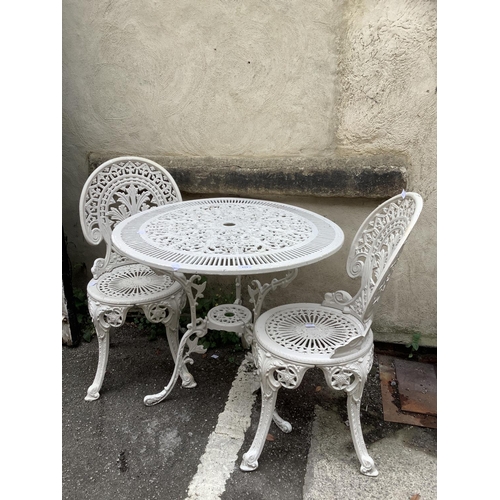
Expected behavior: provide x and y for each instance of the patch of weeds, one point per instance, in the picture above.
(154, 330)
(414, 344)
(216, 338)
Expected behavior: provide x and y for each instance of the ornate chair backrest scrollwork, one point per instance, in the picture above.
(374, 252)
(117, 189)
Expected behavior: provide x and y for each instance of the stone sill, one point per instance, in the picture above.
(352, 177)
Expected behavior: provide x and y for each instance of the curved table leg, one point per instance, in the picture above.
(258, 292)
(188, 381)
(197, 328)
(193, 347)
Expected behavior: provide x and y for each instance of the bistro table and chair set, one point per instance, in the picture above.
(158, 247)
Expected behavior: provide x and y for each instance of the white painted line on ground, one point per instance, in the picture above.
(221, 453)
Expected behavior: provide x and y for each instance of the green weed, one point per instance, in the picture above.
(414, 344)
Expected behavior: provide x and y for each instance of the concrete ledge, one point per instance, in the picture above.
(352, 177)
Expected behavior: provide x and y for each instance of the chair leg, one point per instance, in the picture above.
(274, 373)
(102, 330)
(268, 395)
(104, 317)
(351, 378)
(353, 411)
(354, 391)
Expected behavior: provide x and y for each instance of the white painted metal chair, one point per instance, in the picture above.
(116, 190)
(335, 336)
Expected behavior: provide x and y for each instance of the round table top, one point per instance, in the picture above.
(234, 236)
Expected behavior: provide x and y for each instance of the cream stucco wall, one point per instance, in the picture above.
(257, 79)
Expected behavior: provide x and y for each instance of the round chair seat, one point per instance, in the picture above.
(131, 284)
(229, 318)
(309, 333)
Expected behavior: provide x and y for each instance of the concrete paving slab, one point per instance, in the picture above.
(406, 461)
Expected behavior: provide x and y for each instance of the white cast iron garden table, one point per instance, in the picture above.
(224, 236)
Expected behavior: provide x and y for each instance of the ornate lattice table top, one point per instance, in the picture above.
(227, 236)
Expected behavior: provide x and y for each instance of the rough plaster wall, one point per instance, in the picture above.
(281, 78)
(386, 101)
(219, 78)
(211, 78)
(386, 95)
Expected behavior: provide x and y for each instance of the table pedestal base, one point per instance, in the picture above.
(194, 291)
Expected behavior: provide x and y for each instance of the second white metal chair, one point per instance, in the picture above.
(336, 335)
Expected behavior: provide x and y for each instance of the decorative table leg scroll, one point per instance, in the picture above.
(168, 313)
(188, 381)
(258, 292)
(247, 336)
(197, 329)
(237, 287)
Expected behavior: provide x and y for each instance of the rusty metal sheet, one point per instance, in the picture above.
(417, 385)
(391, 398)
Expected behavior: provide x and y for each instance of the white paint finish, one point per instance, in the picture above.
(227, 236)
(338, 338)
(221, 452)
